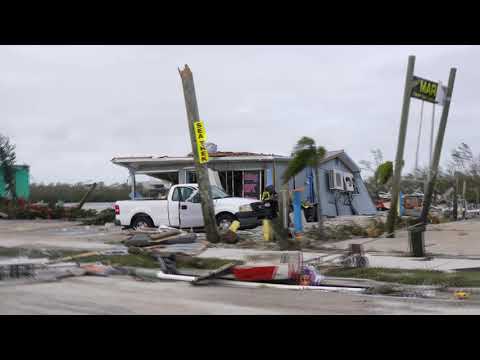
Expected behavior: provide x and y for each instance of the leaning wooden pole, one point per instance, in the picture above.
(438, 148)
(193, 116)
(392, 215)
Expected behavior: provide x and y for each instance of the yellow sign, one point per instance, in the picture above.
(201, 138)
(424, 89)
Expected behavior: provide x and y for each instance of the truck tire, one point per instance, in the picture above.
(141, 220)
(224, 220)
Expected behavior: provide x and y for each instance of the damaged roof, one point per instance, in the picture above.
(221, 156)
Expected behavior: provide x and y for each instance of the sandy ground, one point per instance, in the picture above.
(122, 295)
(449, 240)
(119, 295)
(460, 238)
(56, 234)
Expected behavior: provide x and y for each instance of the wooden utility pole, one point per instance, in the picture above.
(392, 215)
(208, 210)
(438, 148)
(464, 194)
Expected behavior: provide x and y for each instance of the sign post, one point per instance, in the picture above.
(438, 147)
(392, 215)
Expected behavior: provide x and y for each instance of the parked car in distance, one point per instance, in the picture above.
(182, 209)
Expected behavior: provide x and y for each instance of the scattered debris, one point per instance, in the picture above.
(310, 276)
(113, 252)
(256, 285)
(3, 215)
(68, 258)
(231, 236)
(168, 262)
(98, 269)
(461, 295)
(157, 274)
(225, 269)
(355, 257)
(104, 217)
(272, 266)
(152, 239)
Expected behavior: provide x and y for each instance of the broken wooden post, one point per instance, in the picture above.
(201, 169)
(85, 197)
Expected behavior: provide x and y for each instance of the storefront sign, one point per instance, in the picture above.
(251, 184)
(201, 138)
(424, 89)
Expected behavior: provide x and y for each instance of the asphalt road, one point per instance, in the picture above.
(124, 295)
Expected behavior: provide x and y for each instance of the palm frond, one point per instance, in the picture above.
(301, 159)
(384, 172)
(302, 144)
(321, 152)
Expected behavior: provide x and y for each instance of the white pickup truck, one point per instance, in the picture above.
(182, 209)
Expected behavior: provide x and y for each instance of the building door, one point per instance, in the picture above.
(238, 183)
(251, 184)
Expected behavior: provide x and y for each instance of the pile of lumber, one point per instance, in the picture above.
(165, 240)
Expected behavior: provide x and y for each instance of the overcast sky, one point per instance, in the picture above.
(70, 109)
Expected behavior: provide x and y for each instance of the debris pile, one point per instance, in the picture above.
(164, 241)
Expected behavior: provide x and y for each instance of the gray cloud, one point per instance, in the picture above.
(70, 109)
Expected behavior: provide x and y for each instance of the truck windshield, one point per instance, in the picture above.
(218, 193)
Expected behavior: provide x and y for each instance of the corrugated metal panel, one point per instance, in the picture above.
(22, 181)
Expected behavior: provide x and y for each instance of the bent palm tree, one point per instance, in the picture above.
(306, 153)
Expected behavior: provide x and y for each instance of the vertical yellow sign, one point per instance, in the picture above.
(201, 138)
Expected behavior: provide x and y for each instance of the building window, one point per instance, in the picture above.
(243, 183)
(191, 177)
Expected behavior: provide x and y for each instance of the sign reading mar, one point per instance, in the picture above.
(424, 89)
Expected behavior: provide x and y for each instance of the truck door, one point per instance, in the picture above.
(176, 202)
(191, 212)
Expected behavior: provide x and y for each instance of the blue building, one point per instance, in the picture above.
(245, 174)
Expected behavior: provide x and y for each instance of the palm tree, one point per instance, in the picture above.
(304, 154)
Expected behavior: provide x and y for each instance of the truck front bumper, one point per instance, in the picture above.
(248, 219)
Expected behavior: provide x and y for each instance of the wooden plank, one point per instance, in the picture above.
(87, 254)
(217, 272)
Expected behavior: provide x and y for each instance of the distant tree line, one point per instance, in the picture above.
(462, 165)
(54, 192)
